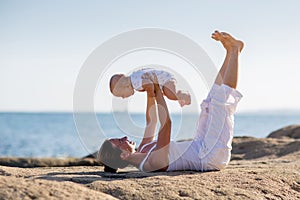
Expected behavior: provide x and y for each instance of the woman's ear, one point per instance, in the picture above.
(124, 155)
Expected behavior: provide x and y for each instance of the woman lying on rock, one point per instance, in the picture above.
(210, 148)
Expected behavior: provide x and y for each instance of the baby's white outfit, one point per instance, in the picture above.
(211, 147)
(137, 77)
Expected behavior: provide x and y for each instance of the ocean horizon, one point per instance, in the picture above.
(55, 134)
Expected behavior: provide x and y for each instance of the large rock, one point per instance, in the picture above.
(292, 131)
(247, 148)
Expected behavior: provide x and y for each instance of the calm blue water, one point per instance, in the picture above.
(55, 134)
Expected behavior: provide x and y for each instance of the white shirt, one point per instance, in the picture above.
(137, 77)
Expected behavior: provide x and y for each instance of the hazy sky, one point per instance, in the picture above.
(45, 43)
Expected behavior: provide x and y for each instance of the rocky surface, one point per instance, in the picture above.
(261, 168)
(292, 131)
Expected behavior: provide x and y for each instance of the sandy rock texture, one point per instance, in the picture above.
(261, 168)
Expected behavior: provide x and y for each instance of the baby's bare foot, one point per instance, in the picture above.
(228, 41)
(184, 98)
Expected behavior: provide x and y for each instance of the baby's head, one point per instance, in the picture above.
(120, 86)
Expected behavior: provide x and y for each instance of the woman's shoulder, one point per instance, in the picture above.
(146, 147)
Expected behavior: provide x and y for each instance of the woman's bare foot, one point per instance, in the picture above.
(228, 41)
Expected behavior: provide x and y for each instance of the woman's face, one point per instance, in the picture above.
(124, 144)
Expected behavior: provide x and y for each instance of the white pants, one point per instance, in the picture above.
(215, 126)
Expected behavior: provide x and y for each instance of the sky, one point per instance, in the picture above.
(44, 45)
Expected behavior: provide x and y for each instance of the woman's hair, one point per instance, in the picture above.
(109, 156)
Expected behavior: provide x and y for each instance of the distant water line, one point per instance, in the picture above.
(55, 134)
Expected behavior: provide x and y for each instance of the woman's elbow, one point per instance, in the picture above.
(168, 122)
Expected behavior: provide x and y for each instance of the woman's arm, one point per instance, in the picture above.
(158, 159)
(148, 85)
(164, 133)
(151, 122)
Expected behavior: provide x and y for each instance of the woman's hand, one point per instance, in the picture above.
(154, 80)
(149, 88)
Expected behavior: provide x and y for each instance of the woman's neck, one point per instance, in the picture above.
(136, 158)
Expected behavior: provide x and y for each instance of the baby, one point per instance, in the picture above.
(140, 80)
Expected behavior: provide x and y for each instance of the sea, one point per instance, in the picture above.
(63, 135)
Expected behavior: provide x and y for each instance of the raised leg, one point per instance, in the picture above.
(221, 74)
(228, 73)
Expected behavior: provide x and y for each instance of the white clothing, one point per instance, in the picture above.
(137, 77)
(141, 166)
(211, 147)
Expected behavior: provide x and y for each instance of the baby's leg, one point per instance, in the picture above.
(169, 89)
